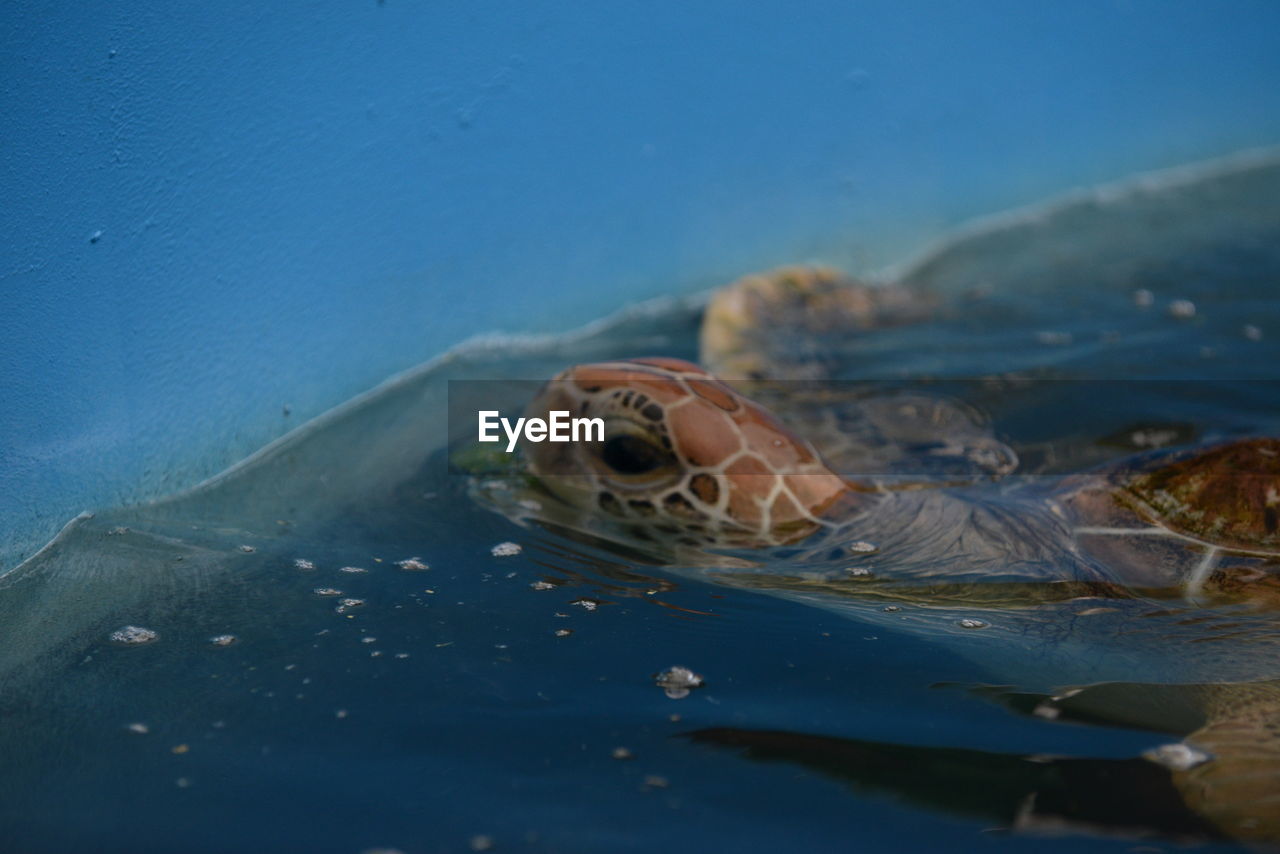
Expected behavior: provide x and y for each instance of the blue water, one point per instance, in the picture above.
(481, 703)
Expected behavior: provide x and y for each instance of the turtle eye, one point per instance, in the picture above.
(627, 454)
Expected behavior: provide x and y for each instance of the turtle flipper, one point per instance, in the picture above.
(1238, 788)
(1226, 769)
(788, 323)
(1021, 793)
(784, 332)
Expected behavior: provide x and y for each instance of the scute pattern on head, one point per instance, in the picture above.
(684, 457)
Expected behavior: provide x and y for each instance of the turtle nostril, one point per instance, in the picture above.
(631, 455)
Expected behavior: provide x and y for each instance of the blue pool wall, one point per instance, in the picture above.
(221, 219)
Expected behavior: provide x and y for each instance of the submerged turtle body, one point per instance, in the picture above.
(690, 461)
(1209, 512)
(1228, 495)
(914, 488)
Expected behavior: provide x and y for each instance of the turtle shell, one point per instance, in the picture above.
(1228, 495)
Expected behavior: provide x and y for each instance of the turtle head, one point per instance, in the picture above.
(683, 456)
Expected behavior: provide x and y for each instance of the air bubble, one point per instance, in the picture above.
(1051, 338)
(506, 549)
(542, 585)
(1153, 437)
(1253, 333)
(133, 635)
(222, 640)
(413, 564)
(677, 682)
(1177, 756)
(862, 547)
(327, 591)
(1182, 309)
(303, 563)
(353, 570)
(972, 623)
(248, 549)
(1143, 298)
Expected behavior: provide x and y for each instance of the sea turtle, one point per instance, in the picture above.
(868, 501)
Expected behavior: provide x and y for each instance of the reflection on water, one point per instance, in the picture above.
(1182, 792)
(1022, 792)
(335, 647)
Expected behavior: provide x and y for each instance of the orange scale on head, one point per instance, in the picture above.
(660, 387)
(788, 520)
(747, 469)
(816, 492)
(703, 434)
(750, 481)
(592, 378)
(680, 366)
(718, 393)
(767, 437)
(743, 508)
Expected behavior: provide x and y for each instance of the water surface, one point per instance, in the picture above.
(509, 699)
